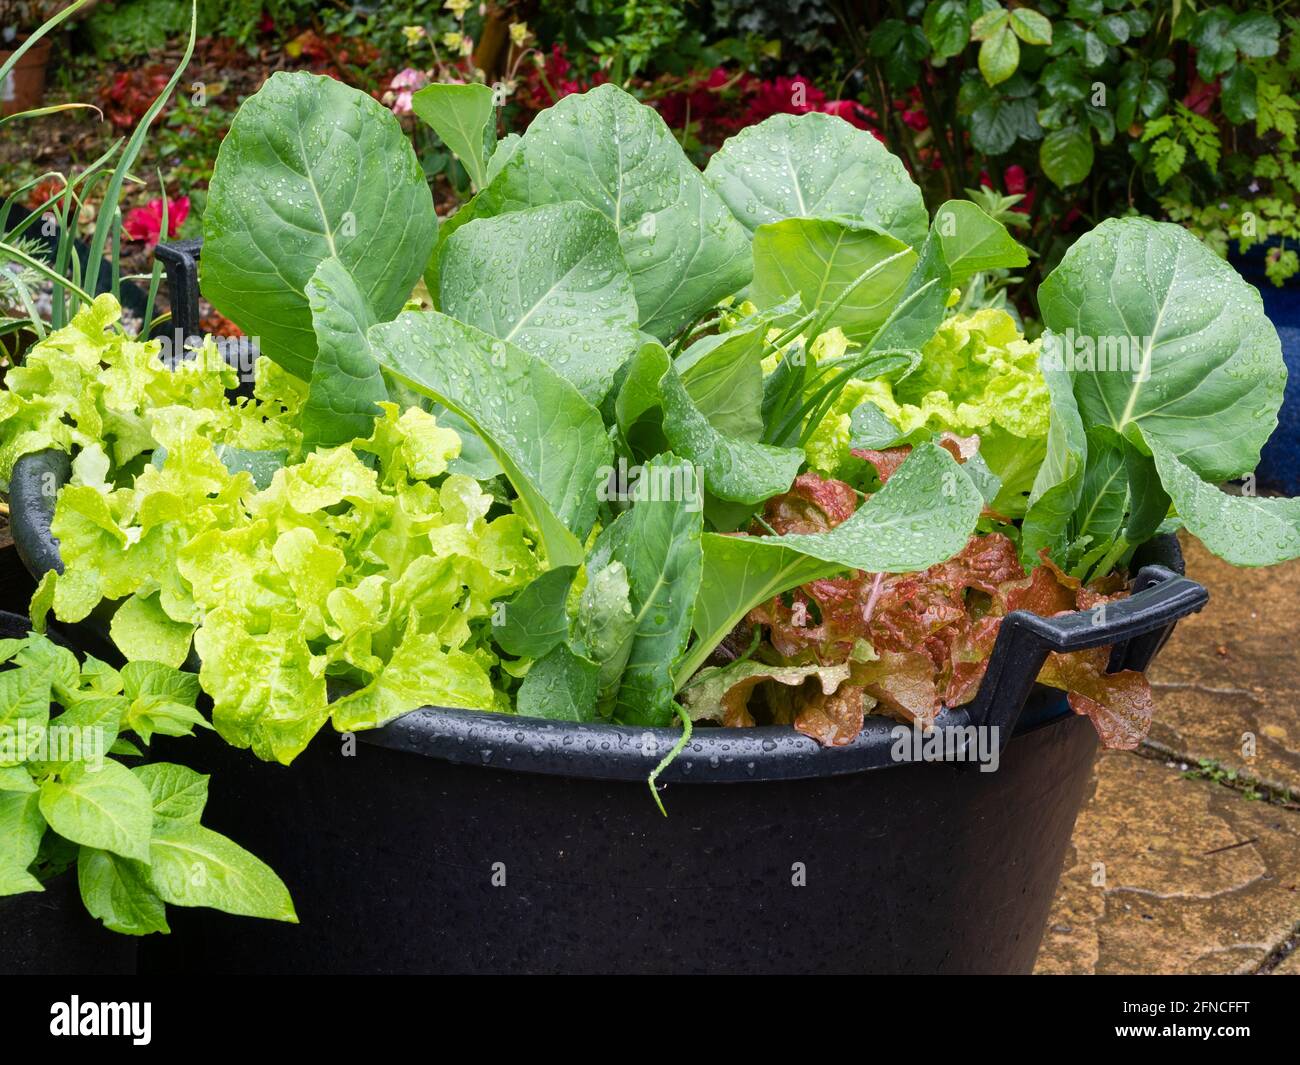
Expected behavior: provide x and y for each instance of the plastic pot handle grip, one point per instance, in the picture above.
(1136, 626)
(35, 483)
(180, 258)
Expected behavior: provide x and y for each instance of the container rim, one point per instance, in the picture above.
(714, 755)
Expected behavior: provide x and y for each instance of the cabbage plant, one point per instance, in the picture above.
(619, 425)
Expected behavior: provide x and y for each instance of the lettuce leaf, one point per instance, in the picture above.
(976, 375)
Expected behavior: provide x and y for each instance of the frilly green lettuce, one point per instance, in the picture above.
(89, 384)
(977, 375)
(365, 572)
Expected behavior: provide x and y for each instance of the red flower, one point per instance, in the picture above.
(918, 120)
(784, 96)
(145, 223)
(1201, 96)
(851, 111)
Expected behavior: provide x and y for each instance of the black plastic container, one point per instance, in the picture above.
(458, 841)
(49, 932)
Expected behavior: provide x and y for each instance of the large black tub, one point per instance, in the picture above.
(458, 841)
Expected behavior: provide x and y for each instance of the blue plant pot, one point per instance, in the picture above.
(1279, 464)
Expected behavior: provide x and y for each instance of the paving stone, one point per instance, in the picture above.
(1169, 875)
(1233, 670)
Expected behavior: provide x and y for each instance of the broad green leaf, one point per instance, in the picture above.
(460, 115)
(260, 465)
(46, 658)
(117, 891)
(823, 262)
(1240, 95)
(1167, 345)
(1059, 481)
(267, 689)
(16, 778)
(658, 543)
(141, 629)
(83, 733)
(194, 866)
(603, 148)
(155, 678)
(345, 382)
(1255, 33)
(1030, 26)
(560, 686)
(816, 166)
(999, 55)
(21, 829)
(502, 154)
(535, 620)
(549, 440)
(104, 807)
(1066, 155)
(605, 628)
(947, 27)
(924, 514)
(1242, 530)
(723, 375)
(740, 471)
(551, 280)
(311, 169)
(973, 242)
(1149, 503)
(24, 712)
(920, 309)
(1104, 494)
(178, 793)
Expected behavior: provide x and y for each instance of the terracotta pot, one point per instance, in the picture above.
(24, 85)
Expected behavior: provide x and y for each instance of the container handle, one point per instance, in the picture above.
(180, 258)
(1137, 627)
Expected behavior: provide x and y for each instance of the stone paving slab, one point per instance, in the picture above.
(1170, 875)
(1232, 672)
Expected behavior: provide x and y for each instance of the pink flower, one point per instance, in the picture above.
(145, 223)
(403, 84)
